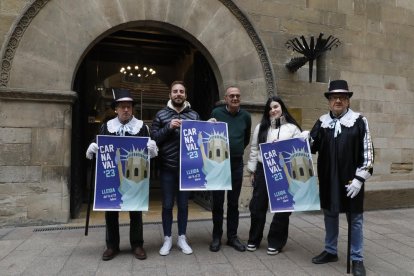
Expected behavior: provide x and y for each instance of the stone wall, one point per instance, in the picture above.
(9, 11)
(35, 157)
(376, 57)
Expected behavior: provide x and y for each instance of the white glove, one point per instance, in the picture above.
(304, 134)
(152, 148)
(353, 188)
(212, 120)
(92, 149)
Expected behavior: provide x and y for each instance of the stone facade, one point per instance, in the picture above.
(43, 42)
(35, 143)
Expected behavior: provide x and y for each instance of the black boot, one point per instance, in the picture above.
(215, 245)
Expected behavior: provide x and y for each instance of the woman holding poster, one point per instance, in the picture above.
(276, 124)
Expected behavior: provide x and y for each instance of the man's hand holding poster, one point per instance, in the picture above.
(204, 156)
(122, 174)
(290, 179)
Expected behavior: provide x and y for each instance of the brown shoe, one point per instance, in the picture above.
(139, 253)
(109, 254)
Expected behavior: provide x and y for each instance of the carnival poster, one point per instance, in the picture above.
(204, 156)
(290, 178)
(122, 174)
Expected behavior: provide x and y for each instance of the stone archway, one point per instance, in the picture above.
(48, 42)
(53, 35)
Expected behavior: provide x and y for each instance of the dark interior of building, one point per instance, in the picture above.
(166, 57)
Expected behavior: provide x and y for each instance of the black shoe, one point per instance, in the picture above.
(324, 258)
(236, 244)
(215, 245)
(358, 268)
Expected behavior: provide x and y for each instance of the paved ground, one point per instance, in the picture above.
(64, 250)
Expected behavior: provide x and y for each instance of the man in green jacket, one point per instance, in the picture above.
(239, 128)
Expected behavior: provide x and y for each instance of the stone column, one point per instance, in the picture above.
(35, 143)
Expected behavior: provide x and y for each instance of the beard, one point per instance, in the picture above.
(177, 104)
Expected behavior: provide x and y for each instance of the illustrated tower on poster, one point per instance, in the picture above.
(300, 165)
(136, 165)
(217, 147)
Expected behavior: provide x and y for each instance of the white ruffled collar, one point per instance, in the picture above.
(132, 127)
(347, 120)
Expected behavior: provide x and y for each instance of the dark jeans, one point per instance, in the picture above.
(170, 189)
(112, 229)
(232, 202)
(279, 228)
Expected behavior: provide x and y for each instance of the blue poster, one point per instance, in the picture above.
(291, 182)
(122, 174)
(205, 156)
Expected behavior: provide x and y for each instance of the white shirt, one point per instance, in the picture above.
(285, 131)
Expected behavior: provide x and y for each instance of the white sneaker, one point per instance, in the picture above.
(166, 247)
(273, 251)
(182, 243)
(251, 247)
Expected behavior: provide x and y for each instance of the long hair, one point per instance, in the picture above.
(266, 123)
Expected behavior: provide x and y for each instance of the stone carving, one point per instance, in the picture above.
(15, 36)
(12, 41)
(258, 44)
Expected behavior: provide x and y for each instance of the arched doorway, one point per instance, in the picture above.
(154, 46)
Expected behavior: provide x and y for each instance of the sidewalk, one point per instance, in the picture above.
(64, 250)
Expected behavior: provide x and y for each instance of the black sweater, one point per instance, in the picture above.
(168, 139)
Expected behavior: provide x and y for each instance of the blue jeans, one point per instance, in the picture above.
(170, 189)
(232, 202)
(332, 229)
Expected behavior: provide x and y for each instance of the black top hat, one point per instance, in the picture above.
(338, 87)
(121, 95)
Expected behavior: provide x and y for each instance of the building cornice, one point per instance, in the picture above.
(38, 95)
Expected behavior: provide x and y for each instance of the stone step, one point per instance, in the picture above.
(389, 195)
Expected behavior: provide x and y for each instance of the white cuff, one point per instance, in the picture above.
(363, 174)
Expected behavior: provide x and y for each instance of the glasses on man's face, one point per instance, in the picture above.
(338, 97)
(231, 96)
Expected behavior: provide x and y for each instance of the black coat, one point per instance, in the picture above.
(168, 139)
(338, 160)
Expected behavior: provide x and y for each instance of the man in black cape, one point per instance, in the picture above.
(343, 141)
